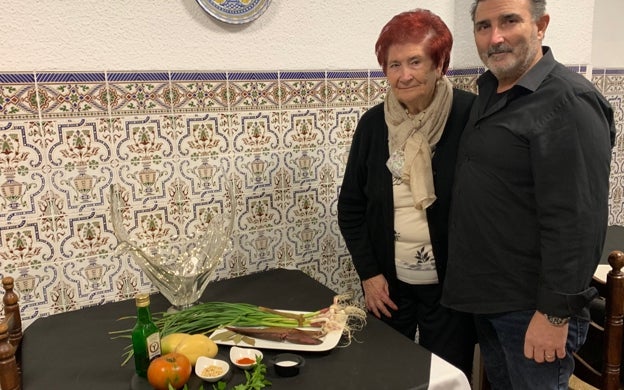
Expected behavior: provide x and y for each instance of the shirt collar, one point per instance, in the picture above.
(531, 80)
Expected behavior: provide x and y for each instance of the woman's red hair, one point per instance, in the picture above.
(416, 26)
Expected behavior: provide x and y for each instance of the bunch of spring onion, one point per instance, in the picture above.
(210, 316)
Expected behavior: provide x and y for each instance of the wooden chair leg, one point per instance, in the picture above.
(9, 374)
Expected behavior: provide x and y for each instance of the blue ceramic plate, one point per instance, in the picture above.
(235, 11)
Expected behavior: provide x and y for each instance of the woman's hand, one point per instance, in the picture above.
(377, 296)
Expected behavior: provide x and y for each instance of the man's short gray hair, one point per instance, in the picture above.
(538, 9)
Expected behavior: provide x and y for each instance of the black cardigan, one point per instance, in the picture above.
(365, 203)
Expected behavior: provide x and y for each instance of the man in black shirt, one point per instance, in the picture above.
(530, 203)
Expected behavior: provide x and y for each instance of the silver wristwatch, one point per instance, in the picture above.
(557, 321)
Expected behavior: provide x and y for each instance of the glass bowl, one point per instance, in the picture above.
(179, 266)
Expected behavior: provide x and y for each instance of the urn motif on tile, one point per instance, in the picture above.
(27, 285)
(305, 164)
(12, 190)
(205, 172)
(148, 150)
(94, 274)
(80, 152)
(261, 243)
(258, 169)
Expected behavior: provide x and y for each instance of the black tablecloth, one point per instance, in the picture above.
(74, 350)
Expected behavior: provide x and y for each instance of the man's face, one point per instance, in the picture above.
(508, 39)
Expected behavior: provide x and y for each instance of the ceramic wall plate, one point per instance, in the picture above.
(235, 11)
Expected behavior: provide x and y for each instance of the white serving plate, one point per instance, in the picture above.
(330, 340)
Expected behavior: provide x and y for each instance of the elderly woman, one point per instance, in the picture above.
(394, 201)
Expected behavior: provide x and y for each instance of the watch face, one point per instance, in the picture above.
(559, 321)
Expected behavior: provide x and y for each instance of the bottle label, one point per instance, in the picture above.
(153, 345)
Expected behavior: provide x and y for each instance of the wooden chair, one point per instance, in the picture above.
(10, 338)
(606, 342)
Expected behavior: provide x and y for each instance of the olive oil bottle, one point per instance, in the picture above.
(145, 336)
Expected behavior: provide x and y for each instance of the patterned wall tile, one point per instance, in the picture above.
(254, 91)
(255, 131)
(145, 152)
(18, 96)
(72, 94)
(348, 88)
(86, 236)
(25, 245)
(598, 79)
(616, 196)
(62, 295)
(35, 286)
(614, 81)
(305, 237)
(378, 87)
(302, 89)
(465, 79)
(202, 135)
(337, 268)
(199, 92)
(302, 130)
(611, 83)
(260, 247)
(302, 166)
(93, 278)
(340, 124)
(258, 170)
(305, 208)
(53, 224)
(140, 93)
(176, 143)
(330, 178)
(22, 174)
(80, 162)
(205, 176)
(260, 212)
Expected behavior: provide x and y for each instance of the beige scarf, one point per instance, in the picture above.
(412, 138)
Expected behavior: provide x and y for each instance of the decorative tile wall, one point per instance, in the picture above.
(173, 140)
(611, 83)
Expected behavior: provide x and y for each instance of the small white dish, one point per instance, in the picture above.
(249, 354)
(211, 370)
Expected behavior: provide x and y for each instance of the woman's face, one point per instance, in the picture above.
(412, 75)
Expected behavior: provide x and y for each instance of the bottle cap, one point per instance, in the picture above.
(142, 299)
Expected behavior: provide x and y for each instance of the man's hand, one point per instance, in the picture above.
(545, 342)
(377, 296)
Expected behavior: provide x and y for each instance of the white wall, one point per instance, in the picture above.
(608, 34)
(66, 35)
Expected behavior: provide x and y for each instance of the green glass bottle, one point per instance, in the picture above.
(145, 336)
